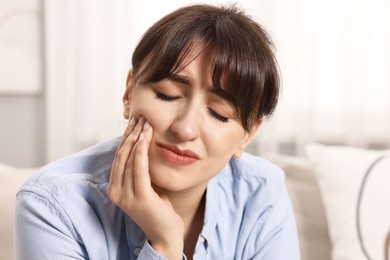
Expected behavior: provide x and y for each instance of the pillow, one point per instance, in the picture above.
(307, 203)
(354, 184)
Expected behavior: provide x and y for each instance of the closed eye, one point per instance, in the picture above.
(165, 97)
(218, 117)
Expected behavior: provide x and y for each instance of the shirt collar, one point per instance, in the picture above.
(212, 208)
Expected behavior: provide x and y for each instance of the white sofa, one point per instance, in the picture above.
(321, 191)
(11, 179)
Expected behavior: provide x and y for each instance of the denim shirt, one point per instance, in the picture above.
(64, 212)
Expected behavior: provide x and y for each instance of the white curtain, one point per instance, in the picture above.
(334, 58)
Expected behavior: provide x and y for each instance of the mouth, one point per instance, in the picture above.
(176, 155)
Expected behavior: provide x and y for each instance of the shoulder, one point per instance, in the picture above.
(253, 172)
(72, 175)
(68, 197)
(251, 184)
(254, 206)
(254, 187)
(249, 165)
(90, 164)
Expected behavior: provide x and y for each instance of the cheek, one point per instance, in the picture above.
(223, 143)
(140, 103)
(152, 111)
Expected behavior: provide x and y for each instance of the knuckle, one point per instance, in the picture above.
(115, 196)
(128, 129)
(108, 188)
(121, 198)
(137, 130)
(119, 155)
(133, 136)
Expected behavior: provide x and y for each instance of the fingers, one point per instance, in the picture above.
(141, 178)
(130, 127)
(130, 170)
(124, 150)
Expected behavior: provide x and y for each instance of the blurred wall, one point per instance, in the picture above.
(22, 95)
(334, 73)
(22, 141)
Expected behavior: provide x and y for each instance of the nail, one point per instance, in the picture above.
(132, 121)
(146, 125)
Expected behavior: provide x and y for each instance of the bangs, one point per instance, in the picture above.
(249, 67)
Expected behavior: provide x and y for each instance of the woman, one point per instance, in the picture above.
(177, 184)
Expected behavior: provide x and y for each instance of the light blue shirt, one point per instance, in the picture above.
(64, 212)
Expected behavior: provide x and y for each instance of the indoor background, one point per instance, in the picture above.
(63, 67)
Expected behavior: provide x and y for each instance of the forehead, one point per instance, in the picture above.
(206, 57)
(203, 57)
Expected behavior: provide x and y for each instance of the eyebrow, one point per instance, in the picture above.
(220, 92)
(179, 79)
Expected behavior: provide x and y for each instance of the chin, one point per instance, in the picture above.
(165, 180)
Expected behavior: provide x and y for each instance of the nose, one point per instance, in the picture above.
(186, 124)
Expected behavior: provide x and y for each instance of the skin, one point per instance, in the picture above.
(166, 198)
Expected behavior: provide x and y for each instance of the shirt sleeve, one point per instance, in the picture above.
(148, 253)
(275, 236)
(42, 231)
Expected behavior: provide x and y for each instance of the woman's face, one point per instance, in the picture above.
(196, 132)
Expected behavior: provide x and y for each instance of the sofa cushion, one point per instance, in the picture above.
(355, 187)
(308, 207)
(11, 179)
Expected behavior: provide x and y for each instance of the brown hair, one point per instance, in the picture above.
(241, 47)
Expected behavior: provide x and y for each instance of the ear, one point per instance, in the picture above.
(127, 96)
(247, 139)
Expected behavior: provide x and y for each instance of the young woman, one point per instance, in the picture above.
(177, 184)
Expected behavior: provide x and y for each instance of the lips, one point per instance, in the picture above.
(177, 156)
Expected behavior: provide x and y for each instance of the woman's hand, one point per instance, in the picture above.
(130, 189)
